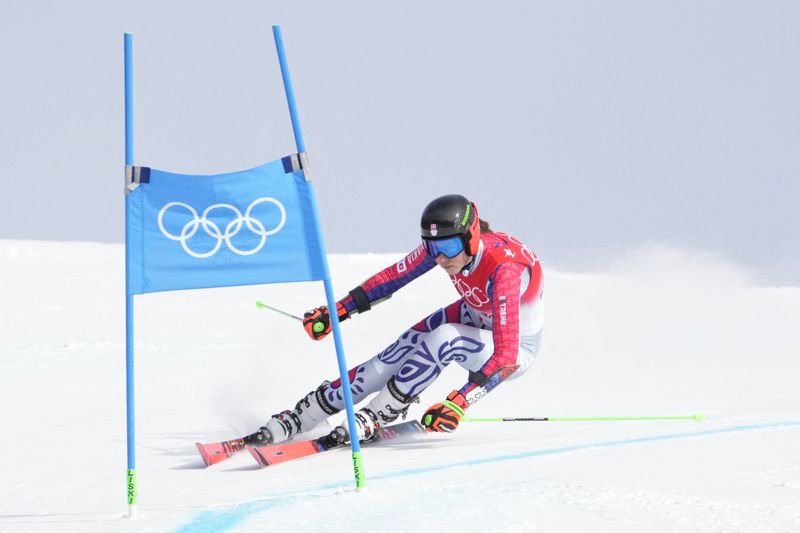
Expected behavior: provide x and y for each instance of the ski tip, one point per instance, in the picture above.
(203, 454)
(214, 453)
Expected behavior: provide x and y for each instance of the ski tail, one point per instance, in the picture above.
(403, 429)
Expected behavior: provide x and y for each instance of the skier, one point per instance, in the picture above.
(494, 326)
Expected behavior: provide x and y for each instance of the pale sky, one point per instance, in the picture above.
(586, 128)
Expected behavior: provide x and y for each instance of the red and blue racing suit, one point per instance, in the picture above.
(500, 295)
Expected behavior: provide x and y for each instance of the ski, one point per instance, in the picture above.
(216, 452)
(286, 451)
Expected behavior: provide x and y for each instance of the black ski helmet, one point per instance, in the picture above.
(451, 215)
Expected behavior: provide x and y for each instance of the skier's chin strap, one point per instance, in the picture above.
(468, 266)
(473, 262)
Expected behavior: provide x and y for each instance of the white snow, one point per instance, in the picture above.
(659, 332)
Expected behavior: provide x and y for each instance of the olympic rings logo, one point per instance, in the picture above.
(473, 295)
(213, 230)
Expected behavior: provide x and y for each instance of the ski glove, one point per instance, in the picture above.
(317, 322)
(445, 416)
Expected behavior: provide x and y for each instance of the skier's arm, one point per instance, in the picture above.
(382, 285)
(507, 288)
(374, 290)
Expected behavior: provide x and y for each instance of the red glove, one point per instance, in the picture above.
(445, 416)
(317, 322)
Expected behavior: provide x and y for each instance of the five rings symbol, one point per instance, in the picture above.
(213, 230)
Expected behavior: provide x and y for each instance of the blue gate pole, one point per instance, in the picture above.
(358, 468)
(129, 381)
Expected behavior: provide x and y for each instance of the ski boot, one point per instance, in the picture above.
(389, 405)
(312, 409)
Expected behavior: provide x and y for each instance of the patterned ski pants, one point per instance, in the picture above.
(450, 334)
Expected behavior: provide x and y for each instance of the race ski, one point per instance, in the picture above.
(279, 453)
(216, 452)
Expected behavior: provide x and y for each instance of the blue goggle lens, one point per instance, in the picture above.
(449, 247)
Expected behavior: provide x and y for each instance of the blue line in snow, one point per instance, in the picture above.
(217, 521)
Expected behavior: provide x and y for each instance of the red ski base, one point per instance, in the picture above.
(278, 453)
(216, 452)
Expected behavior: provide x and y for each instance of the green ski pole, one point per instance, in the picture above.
(262, 305)
(697, 416)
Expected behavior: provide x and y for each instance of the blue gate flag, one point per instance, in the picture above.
(241, 228)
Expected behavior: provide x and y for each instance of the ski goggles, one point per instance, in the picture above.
(449, 247)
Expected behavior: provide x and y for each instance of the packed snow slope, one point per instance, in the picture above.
(659, 332)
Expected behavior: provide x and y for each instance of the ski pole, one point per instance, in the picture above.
(696, 416)
(262, 305)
